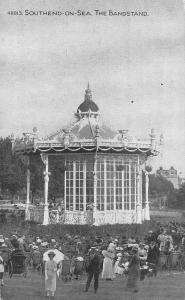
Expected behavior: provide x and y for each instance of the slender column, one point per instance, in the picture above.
(65, 187)
(44, 158)
(105, 184)
(114, 184)
(26, 161)
(129, 180)
(123, 208)
(74, 185)
(94, 207)
(27, 212)
(138, 207)
(28, 193)
(147, 209)
(135, 185)
(84, 185)
(57, 217)
(95, 184)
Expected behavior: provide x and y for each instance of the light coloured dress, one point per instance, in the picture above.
(117, 269)
(108, 270)
(50, 273)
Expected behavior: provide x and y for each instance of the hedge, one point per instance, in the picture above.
(58, 231)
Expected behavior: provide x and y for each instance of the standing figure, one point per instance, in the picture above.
(118, 269)
(108, 262)
(36, 258)
(153, 256)
(93, 268)
(134, 271)
(1, 275)
(50, 275)
(78, 266)
(142, 254)
(1, 270)
(162, 237)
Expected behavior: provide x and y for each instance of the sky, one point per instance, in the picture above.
(134, 64)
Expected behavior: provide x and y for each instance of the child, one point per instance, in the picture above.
(117, 268)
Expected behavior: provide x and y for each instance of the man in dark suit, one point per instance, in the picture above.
(153, 256)
(93, 264)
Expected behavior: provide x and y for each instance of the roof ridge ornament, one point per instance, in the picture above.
(88, 93)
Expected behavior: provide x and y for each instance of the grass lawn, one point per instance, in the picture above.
(165, 286)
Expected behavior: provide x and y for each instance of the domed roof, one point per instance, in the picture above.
(88, 104)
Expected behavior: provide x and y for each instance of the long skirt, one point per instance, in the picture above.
(50, 283)
(118, 269)
(108, 272)
(132, 279)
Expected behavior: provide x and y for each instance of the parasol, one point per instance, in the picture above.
(57, 258)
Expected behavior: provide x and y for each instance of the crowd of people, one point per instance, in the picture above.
(109, 257)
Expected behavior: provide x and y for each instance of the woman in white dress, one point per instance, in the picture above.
(108, 262)
(50, 275)
(117, 268)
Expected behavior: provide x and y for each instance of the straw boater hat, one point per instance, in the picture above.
(51, 253)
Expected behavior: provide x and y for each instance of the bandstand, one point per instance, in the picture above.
(106, 175)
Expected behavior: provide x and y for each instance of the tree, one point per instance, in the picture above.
(36, 177)
(180, 196)
(160, 186)
(13, 173)
(12, 170)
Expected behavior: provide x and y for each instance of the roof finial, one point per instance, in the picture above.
(88, 94)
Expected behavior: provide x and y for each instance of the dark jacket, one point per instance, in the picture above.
(153, 255)
(134, 262)
(93, 262)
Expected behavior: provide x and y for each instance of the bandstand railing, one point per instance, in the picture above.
(36, 214)
(56, 217)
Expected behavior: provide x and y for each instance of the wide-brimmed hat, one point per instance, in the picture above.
(35, 247)
(141, 244)
(119, 248)
(93, 249)
(44, 244)
(111, 247)
(51, 253)
(135, 249)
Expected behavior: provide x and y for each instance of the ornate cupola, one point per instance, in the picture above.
(88, 107)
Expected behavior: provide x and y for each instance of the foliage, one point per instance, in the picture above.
(58, 231)
(12, 170)
(180, 197)
(13, 174)
(36, 177)
(160, 186)
(57, 168)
